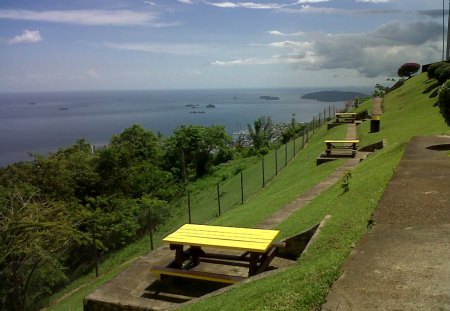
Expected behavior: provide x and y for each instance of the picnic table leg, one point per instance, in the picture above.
(180, 256)
(253, 267)
(196, 252)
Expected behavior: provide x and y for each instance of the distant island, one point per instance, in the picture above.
(333, 96)
(269, 97)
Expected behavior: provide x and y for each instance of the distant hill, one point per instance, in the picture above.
(333, 96)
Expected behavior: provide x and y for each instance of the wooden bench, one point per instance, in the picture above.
(199, 275)
(346, 144)
(347, 117)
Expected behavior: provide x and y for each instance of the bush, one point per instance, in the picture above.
(407, 69)
(433, 67)
(444, 73)
(438, 70)
(444, 101)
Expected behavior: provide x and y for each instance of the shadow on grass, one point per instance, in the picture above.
(434, 88)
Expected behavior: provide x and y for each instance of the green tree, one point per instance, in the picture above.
(408, 69)
(444, 101)
(261, 133)
(118, 165)
(34, 236)
(193, 149)
(293, 130)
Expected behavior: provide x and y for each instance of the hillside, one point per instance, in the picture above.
(334, 96)
(407, 112)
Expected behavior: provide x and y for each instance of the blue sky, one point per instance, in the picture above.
(200, 44)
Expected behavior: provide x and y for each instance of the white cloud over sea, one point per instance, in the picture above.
(27, 36)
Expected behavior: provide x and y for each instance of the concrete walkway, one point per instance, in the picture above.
(403, 263)
(284, 213)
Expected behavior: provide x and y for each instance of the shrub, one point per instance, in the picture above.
(407, 69)
(432, 69)
(444, 73)
(438, 70)
(444, 101)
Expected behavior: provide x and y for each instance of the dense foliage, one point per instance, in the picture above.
(444, 101)
(53, 208)
(408, 69)
(439, 71)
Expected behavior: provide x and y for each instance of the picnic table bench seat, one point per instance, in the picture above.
(199, 275)
(345, 117)
(341, 145)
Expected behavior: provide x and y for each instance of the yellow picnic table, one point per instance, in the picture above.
(345, 117)
(343, 144)
(256, 245)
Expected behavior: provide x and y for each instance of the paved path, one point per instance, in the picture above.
(284, 213)
(377, 106)
(403, 263)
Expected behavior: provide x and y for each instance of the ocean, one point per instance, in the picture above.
(43, 122)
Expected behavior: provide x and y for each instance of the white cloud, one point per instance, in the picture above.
(254, 5)
(373, 1)
(279, 33)
(371, 54)
(27, 36)
(84, 17)
(163, 48)
(92, 73)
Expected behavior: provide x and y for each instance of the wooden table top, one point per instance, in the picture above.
(245, 239)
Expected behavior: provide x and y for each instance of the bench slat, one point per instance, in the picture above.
(199, 275)
(342, 141)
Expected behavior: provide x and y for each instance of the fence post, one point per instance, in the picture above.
(242, 188)
(218, 197)
(94, 248)
(285, 154)
(276, 161)
(324, 115)
(294, 147)
(314, 121)
(263, 177)
(150, 226)
(189, 206)
(329, 112)
(303, 139)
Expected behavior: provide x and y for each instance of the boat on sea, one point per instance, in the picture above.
(210, 106)
(269, 97)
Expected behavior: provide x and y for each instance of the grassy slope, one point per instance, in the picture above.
(408, 113)
(300, 175)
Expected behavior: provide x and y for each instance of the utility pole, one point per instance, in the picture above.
(448, 35)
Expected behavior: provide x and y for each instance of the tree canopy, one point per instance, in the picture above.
(408, 69)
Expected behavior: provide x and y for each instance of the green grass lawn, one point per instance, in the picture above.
(408, 112)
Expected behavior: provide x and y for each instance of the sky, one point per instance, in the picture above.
(58, 45)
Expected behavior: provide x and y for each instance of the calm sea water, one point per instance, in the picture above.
(46, 121)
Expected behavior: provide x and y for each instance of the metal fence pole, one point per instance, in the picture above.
(150, 226)
(189, 207)
(294, 147)
(285, 154)
(313, 122)
(94, 248)
(242, 188)
(276, 161)
(263, 177)
(218, 197)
